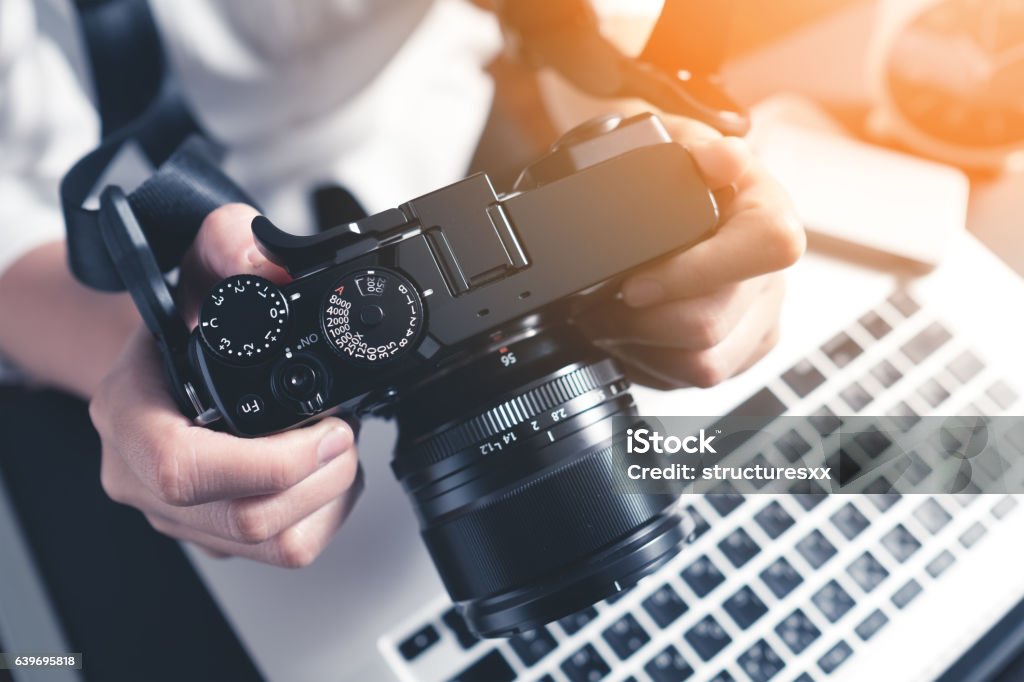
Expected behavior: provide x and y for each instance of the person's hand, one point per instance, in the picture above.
(701, 316)
(277, 499)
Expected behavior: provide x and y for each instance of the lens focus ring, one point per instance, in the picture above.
(512, 412)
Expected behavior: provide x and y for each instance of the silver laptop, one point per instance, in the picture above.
(790, 586)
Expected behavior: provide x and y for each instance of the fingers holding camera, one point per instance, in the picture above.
(225, 493)
(246, 520)
(295, 547)
(182, 464)
(224, 246)
(687, 324)
(728, 352)
(758, 233)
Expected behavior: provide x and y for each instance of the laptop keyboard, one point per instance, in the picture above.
(781, 586)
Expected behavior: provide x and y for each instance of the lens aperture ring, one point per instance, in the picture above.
(525, 406)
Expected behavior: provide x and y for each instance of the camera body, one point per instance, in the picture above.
(453, 313)
(379, 306)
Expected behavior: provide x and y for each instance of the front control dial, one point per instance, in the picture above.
(244, 318)
(372, 316)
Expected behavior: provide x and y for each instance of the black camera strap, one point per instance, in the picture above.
(140, 102)
(132, 240)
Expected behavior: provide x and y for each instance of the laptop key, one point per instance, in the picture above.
(932, 516)
(917, 469)
(781, 578)
(577, 621)
(965, 366)
(906, 594)
(900, 543)
(833, 601)
(849, 521)
(803, 377)
(774, 520)
(844, 467)
(625, 636)
(872, 441)
(738, 547)
(700, 524)
(759, 460)
(875, 324)
(491, 668)
(879, 493)
(764, 403)
(797, 631)
(903, 416)
(664, 606)
(841, 349)
(792, 445)
(723, 676)
(669, 666)
(825, 421)
(816, 549)
(459, 627)
(835, 657)
(760, 662)
(724, 500)
(745, 607)
(707, 638)
(532, 646)
(886, 374)
(867, 628)
(1002, 395)
(904, 303)
(970, 537)
(994, 463)
(867, 572)
(702, 576)
(418, 642)
(940, 563)
(807, 494)
(586, 665)
(804, 677)
(1004, 507)
(933, 392)
(968, 495)
(926, 342)
(856, 396)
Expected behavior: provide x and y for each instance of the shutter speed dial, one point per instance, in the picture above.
(243, 319)
(372, 315)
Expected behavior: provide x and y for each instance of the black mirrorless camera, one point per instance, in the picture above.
(453, 314)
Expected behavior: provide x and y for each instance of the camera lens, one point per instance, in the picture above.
(511, 465)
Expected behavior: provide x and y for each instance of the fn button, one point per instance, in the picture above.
(249, 406)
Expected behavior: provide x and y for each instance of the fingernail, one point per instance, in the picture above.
(255, 258)
(337, 441)
(644, 291)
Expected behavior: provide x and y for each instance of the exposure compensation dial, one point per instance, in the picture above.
(244, 319)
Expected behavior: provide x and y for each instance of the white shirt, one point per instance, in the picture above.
(385, 97)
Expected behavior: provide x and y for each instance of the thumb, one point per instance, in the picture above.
(722, 161)
(224, 246)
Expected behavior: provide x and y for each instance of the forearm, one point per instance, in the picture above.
(61, 333)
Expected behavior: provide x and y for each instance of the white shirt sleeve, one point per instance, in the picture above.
(46, 123)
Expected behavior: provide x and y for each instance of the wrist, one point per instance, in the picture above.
(67, 336)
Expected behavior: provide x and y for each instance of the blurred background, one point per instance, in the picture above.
(898, 128)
